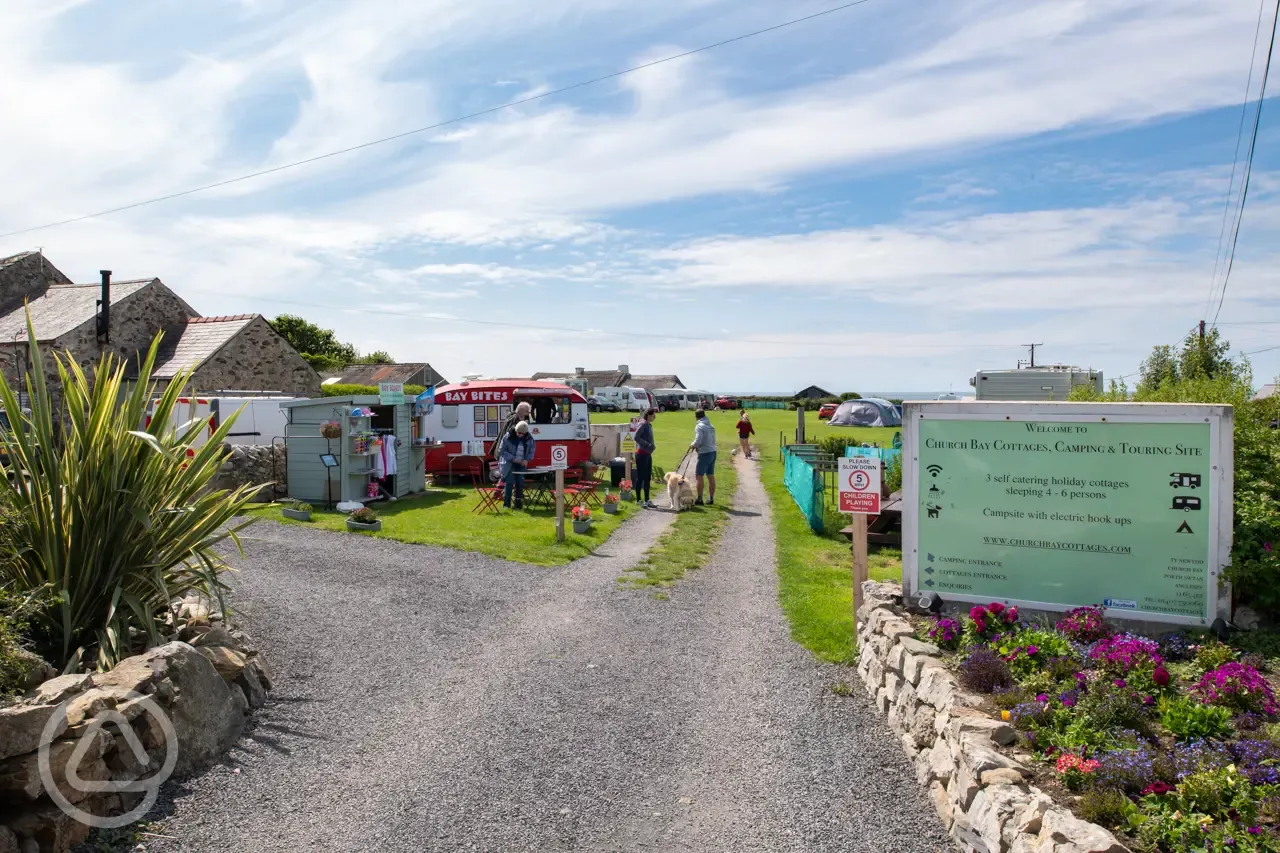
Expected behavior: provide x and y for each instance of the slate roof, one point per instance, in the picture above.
(62, 308)
(594, 378)
(655, 382)
(410, 373)
(195, 343)
(813, 391)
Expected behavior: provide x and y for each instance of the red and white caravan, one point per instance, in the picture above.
(467, 417)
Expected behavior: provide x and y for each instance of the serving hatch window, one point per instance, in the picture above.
(552, 410)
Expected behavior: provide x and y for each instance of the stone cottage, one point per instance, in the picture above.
(237, 353)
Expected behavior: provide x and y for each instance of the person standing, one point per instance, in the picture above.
(645, 445)
(704, 444)
(515, 455)
(745, 431)
(523, 412)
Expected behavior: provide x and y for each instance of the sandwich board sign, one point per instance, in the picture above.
(860, 485)
(1056, 505)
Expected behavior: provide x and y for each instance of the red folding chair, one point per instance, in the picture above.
(490, 495)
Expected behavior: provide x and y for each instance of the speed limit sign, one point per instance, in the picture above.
(559, 457)
(860, 485)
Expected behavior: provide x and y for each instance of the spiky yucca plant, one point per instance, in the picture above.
(111, 518)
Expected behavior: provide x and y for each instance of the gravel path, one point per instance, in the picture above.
(429, 699)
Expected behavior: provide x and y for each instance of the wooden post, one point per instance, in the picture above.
(859, 563)
(800, 424)
(629, 457)
(560, 507)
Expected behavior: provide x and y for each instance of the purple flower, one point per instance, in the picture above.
(1123, 653)
(1255, 830)
(1266, 546)
(1148, 700)
(1069, 698)
(1237, 686)
(1032, 651)
(1120, 682)
(1042, 698)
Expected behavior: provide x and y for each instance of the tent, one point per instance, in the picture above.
(867, 412)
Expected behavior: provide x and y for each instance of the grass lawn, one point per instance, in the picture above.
(815, 571)
(694, 534)
(443, 516)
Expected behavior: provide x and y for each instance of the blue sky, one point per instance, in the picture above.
(893, 196)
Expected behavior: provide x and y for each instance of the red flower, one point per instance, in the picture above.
(996, 608)
(977, 613)
(1160, 677)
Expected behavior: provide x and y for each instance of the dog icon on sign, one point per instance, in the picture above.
(933, 510)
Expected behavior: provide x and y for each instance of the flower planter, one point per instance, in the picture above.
(296, 514)
(611, 509)
(582, 527)
(357, 526)
(626, 496)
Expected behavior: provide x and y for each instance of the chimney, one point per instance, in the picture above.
(579, 371)
(104, 308)
(622, 368)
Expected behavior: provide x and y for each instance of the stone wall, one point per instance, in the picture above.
(257, 359)
(978, 783)
(261, 464)
(205, 687)
(25, 276)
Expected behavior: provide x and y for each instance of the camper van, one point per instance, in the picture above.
(464, 420)
(627, 399)
(261, 422)
(673, 399)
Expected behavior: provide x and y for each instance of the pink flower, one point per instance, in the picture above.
(1032, 651)
(1266, 546)
(977, 613)
(996, 608)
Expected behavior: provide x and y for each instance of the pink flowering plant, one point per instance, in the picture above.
(1239, 687)
(1085, 625)
(987, 623)
(1075, 770)
(945, 633)
(1124, 653)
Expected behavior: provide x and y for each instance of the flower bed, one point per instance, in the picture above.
(1172, 742)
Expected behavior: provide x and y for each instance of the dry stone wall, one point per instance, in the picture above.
(249, 464)
(205, 685)
(979, 787)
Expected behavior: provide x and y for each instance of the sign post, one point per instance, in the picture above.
(559, 462)
(860, 497)
(629, 444)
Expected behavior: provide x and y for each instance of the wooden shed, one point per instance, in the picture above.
(377, 453)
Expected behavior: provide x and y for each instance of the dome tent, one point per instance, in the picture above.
(867, 412)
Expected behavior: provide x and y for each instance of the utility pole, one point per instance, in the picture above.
(1202, 331)
(1032, 347)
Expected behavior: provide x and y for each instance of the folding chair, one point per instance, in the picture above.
(490, 495)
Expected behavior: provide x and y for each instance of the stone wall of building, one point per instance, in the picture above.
(257, 359)
(979, 788)
(26, 275)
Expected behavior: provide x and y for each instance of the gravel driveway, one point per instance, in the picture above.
(428, 699)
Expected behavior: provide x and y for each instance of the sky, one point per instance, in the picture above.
(895, 195)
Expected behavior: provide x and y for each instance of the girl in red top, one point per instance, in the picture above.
(745, 431)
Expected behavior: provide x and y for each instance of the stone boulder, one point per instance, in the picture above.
(208, 714)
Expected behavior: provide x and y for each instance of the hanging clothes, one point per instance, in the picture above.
(386, 464)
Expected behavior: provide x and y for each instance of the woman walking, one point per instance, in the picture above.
(745, 431)
(645, 446)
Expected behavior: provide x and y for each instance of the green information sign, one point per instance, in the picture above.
(1067, 512)
(391, 393)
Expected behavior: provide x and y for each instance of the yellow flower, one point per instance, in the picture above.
(1004, 715)
(1206, 820)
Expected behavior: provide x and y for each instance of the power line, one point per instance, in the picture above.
(438, 125)
(1248, 167)
(1235, 162)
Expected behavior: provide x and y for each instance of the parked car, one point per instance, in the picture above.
(827, 410)
(595, 404)
(726, 403)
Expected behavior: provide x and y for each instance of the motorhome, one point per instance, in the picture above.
(671, 399)
(262, 421)
(627, 399)
(463, 421)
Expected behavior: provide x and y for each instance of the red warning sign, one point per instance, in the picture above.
(860, 485)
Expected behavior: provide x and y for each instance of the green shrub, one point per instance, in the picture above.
(1107, 807)
(1186, 718)
(893, 473)
(1214, 654)
(18, 664)
(113, 520)
(339, 390)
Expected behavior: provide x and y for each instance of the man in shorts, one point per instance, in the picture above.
(704, 444)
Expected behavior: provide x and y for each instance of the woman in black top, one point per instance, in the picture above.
(644, 458)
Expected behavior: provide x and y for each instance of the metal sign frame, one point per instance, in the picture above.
(1221, 460)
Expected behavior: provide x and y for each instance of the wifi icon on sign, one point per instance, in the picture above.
(935, 470)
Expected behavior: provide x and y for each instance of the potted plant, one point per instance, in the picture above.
(625, 488)
(581, 519)
(364, 519)
(298, 512)
(610, 503)
(331, 429)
